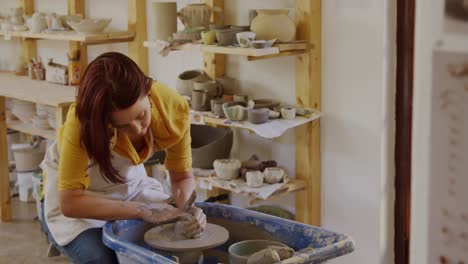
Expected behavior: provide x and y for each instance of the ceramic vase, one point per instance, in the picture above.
(195, 15)
(274, 24)
(165, 19)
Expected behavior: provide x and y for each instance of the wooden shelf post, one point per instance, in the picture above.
(77, 7)
(308, 93)
(28, 46)
(137, 24)
(5, 202)
(215, 66)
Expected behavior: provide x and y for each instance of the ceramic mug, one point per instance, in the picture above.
(199, 100)
(214, 89)
(288, 112)
(254, 179)
(208, 37)
(217, 107)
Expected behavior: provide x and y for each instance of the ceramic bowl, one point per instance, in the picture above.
(258, 116)
(89, 26)
(273, 175)
(227, 37)
(237, 111)
(209, 144)
(245, 38)
(239, 252)
(227, 169)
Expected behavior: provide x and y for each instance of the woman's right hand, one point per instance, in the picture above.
(161, 213)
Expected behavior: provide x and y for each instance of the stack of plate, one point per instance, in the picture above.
(51, 116)
(25, 111)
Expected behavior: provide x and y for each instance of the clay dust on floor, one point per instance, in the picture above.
(22, 240)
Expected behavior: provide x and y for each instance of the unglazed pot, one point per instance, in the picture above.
(195, 15)
(186, 80)
(165, 19)
(273, 24)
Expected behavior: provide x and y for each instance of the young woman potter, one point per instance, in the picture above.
(94, 171)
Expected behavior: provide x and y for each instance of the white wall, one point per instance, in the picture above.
(357, 129)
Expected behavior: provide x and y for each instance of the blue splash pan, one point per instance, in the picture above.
(312, 244)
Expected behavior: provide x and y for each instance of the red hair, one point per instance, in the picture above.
(110, 82)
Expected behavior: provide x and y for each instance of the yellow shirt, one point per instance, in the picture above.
(169, 125)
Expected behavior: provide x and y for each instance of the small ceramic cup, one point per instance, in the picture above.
(227, 169)
(254, 179)
(273, 174)
(217, 107)
(199, 100)
(288, 112)
(258, 44)
(208, 37)
(258, 116)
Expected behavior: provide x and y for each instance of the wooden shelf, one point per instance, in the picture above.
(271, 129)
(294, 185)
(101, 38)
(278, 50)
(42, 92)
(29, 129)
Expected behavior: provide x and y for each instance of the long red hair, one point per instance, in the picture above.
(110, 82)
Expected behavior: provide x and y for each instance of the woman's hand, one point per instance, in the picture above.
(193, 225)
(161, 213)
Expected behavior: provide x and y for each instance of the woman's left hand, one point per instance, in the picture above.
(195, 224)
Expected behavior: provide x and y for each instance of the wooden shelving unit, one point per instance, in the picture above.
(42, 92)
(55, 95)
(277, 50)
(101, 38)
(29, 129)
(308, 94)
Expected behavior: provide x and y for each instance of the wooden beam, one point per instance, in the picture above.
(60, 117)
(137, 24)
(5, 205)
(308, 93)
(215, 66)
(77, 7)
(28, 46)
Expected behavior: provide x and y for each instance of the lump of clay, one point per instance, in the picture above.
(186, 229)
(283, 252)
(264, 256)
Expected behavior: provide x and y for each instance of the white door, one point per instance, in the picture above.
(439, 215)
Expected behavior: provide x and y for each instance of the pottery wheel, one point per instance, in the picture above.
(163, 237)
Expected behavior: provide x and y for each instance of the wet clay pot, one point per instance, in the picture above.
(209, 144)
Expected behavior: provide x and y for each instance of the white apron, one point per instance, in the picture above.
(138, 187)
